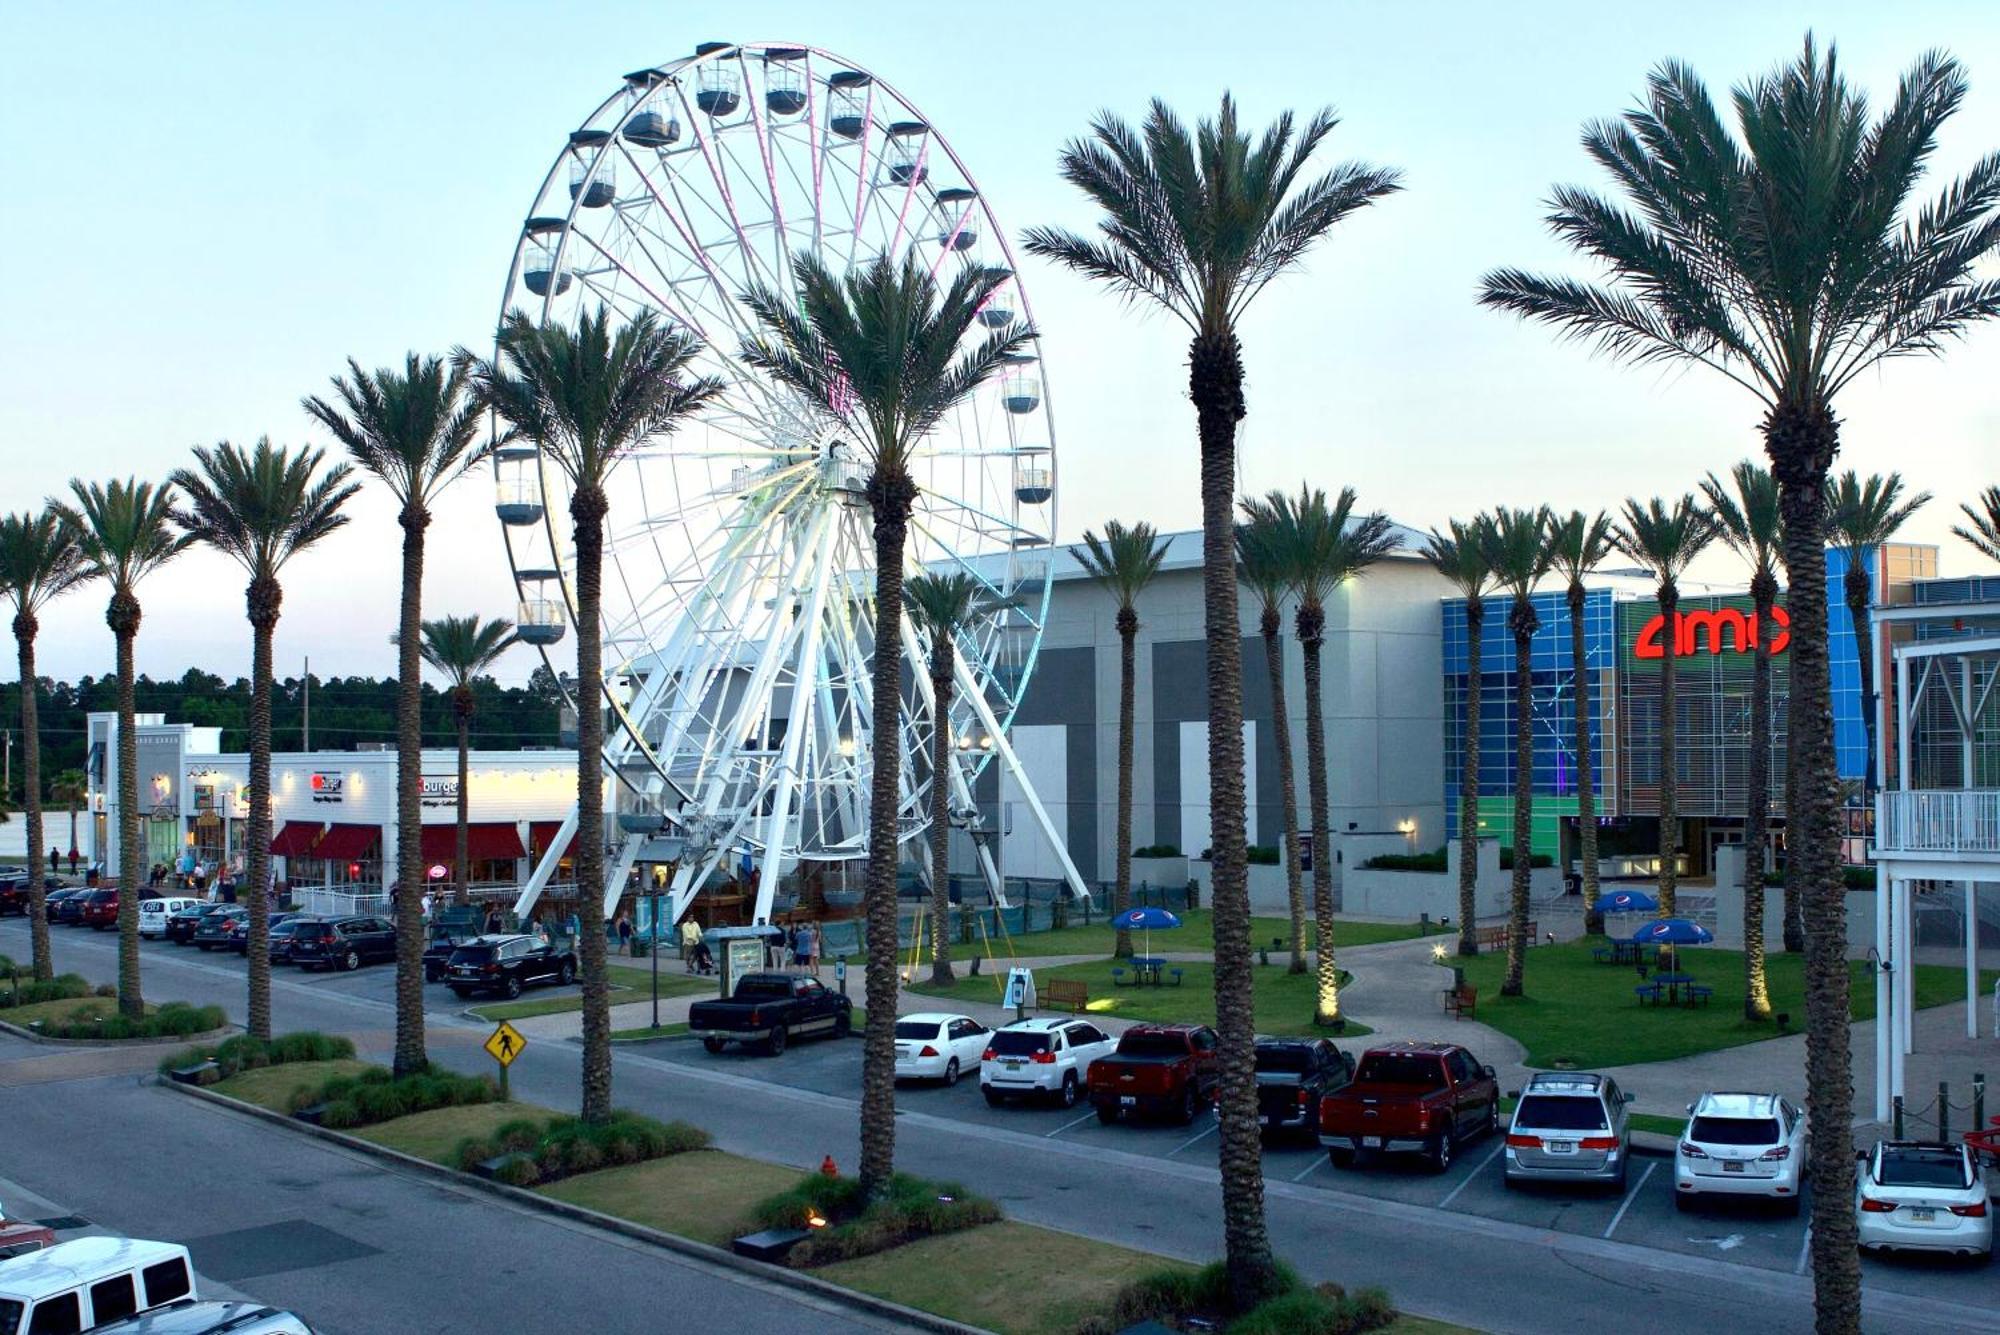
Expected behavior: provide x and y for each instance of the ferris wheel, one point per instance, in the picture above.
(738, 616)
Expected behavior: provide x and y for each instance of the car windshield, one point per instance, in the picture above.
(1019, 1043)
(922, 1029)
(286, 928)
(1152, 1045)
(1734, 1130)
(1398, 1069)
(1283, 1061)
(1922, 1168)
(762, 988)
(10, 1316)
(1561, 1112)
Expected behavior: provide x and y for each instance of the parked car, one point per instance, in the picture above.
(1569, 1127)
(70, 914)
(938, 1046)
(1293, 1075)
(507, 964)
(1156, 1069)
(1923, 1196)
(1424, 1098)
(438, 947)
(153, 913)
(233, 1318)
(769, 1008)
(344, 943)
(222, 930)
(91, 1282)
(181, 925)
(1048, 1057)
(279, 948)
(100, 909)
(53, 902)
(15, 888)
(1739, 1144)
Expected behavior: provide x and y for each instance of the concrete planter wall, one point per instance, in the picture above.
(1171, 872)
(1268, 896)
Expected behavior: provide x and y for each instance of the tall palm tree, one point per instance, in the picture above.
(1984, 535)
(1261, 563)
(261, 507)
(462, 650)
(72, 789)
(1788, 257)
(1518, 550)
(39, 560)
(1461, 557)
(1860, 517)
(1578, 544)
(1665, 541)
(882, 354)
(941, 605)
(587, 397)
(1124, 561)
(1198, 223)
(412, 430)
(1746, 519)
(123, 534)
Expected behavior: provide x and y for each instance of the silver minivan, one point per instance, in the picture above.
(212, 1319)
(1570, 1126)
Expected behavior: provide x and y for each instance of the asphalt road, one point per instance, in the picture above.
(1456, 1246)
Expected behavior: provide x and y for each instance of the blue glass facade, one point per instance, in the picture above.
(1850, 738)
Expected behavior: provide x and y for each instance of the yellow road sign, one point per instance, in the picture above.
(505, 1044)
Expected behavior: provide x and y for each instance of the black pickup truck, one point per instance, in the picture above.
(770, 1008)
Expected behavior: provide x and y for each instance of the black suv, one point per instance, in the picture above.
(1293, 1074)
(226, 929)
(342, 943)
(283, 929)
(443, 943)
(506, 964)
(181, 926)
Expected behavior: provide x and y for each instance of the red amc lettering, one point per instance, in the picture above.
(1713, 632)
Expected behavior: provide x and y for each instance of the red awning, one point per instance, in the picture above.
(485, 841)
(296, 837)
(343, 842)
(542, 833)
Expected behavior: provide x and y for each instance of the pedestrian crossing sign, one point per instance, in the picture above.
(505, 1044)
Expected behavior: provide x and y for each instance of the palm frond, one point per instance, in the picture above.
(1863, 513)
(123, 529)
(413, 429)
(263, 505)
(1984, 533)
(40, 559)
(1747, 518)
(1124, 559)
(462, 648)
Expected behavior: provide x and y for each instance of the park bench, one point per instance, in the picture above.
(1653, 992)
(1067, 994)
(1461, 1001)
(1495, 937)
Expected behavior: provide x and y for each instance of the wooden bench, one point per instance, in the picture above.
(1460, 1002)
(1066, 994)
(1495, 938)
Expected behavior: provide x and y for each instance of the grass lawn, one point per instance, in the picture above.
(1585, 1013)
(705, 1194)
(647, 1031)
(69, 1008)
(435, 1134)
(272, 1086)
(1196, 932)
(1284, 1002)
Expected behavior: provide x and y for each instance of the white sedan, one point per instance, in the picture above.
(1923, 1196)
(153, 913)
(939, 1046)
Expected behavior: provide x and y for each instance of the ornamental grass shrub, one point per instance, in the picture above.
(568, 1146)
(913, 1208)
(244, 1053)
(176, 1019)
(29, 992)
(1171, 1296)
(375, 1095)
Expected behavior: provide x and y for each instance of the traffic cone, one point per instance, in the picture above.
(827, 1167)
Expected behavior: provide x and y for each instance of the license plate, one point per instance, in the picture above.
(1371, 1142)
(1922, 1216)
(1732, 1166)
(1559, 1146)
(1127, 1100)
(1013, 1066)
(1263, 1119)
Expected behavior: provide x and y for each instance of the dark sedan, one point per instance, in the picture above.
(180, 926)
(506, 964)
(283, 929)
(70, 911)
(343, 943)
(226, 929)
(54, 900)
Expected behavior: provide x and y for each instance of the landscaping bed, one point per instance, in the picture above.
(705, 1195)
(1283, 1001)
(1185, 1299)
(844, 1225)
(529, 1151)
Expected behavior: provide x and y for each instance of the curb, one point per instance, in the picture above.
(781, 1276)
(170, 1040)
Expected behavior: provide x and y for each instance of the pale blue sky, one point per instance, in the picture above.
(210, 205)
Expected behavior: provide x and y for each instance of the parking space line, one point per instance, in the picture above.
(1805, 1252)
(1319, 1161)
(1630, 1196)
(1497, 1151)
(1212, 1127)
(1067, 1125)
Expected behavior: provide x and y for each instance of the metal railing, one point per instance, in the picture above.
(1942, 820)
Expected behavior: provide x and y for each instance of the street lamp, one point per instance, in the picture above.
(673, 848)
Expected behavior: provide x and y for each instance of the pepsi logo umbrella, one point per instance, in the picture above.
(1145, 919)
(1627, 901)
(1673, 932)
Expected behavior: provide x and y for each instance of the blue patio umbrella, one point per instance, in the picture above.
(1145, 918)
(1627, 901)
(1673, 932)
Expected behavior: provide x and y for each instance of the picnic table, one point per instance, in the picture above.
(1149, 967)
(1675, 989)
(1620, 952)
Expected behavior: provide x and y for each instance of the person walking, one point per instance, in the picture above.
(624, 931)
(809, 947)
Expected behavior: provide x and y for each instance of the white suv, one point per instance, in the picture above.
(1048, 1057)
(153, 913)
(1739, 1144)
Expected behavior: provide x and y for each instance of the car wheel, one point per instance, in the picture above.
(1067, 1096)
(1190, 1106)
(775, 1044)
(712, 1043)
(1106, 1113)
(1684, 1201)
(512, 987)
(430, 975)
(843, 1025)
(462, 993)
(994, 1098)
(1510, 1182)
(350, 961)
(950, 1067)
(1789, 1207)
(1340, 1158)
(567, 974)
(1619, 1183)
(1441, 1153)
(1492, 1126)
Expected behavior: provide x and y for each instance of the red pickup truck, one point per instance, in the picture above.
(1425, 1098)
(1158, 1068)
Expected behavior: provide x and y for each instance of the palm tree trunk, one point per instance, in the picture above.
(124, 619)
(1855, 585)
(941, 813)
(264, 598)
(1121, 890)
(1795, 923)
(1586, 773)
(1215, 382)
(891, 494)
(1281, 727)
(587, 509)
(462, 857)
(409, 1057)
(1326, 990)
(1523, 621)
(1468, 782)
(1801, 442)
(1756, 989)
(31, 782)
(1670, 765)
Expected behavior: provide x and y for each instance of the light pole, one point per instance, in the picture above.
(674, 847)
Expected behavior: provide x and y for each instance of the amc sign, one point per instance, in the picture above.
(1712, 632)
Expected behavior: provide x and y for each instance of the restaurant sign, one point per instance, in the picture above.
(438, 790)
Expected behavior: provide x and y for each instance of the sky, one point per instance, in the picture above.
(209, 207)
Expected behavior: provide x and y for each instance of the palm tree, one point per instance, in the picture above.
(1461, 557)
(123, 534)
(1124, 561)
(1861, 516)
(39, 560)
(1746, 519)
(587, 397)
(1788, 258)
(941, 605)
(879, 354)
(1578, 544)
(1198, 223)
(462, 650)
(260, 507)
(1518, 551)
(1984, 534)
(1261, 564)
(413, 431)
(72, 789)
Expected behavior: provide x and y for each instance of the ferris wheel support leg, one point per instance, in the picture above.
(538, 880)
(620, 869)
(804, 677)
(970, 689)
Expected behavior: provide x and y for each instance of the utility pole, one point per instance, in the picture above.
(306, 729)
